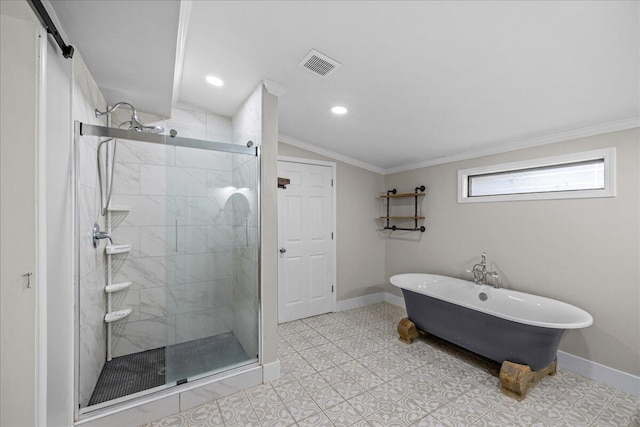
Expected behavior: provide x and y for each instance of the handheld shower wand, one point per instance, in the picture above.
(134, 123)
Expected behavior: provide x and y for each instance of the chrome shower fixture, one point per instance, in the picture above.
(134, 123)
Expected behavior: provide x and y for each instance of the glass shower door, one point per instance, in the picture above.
(174, 297)
(212, 257)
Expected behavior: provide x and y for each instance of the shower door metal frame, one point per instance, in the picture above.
(85, 129)
(178, 141)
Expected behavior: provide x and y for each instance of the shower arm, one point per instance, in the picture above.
(134, 122)
(134, 114)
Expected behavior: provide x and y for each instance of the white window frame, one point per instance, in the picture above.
(609, 190)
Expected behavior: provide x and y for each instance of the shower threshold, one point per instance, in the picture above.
(133, 373)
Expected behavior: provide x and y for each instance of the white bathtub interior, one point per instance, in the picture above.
(504, 303)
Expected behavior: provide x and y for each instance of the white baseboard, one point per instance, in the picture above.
(348, 304)
(394, 300)
(271, 371)
(363, 301)
(601, 373)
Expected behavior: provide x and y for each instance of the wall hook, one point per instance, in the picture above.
(283, 182)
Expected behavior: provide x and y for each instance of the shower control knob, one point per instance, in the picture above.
(283, 250)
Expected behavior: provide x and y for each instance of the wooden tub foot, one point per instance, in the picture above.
(407, 330)
(517, 379)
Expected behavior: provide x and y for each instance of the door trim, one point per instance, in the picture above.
(41, 233)
(333, 166)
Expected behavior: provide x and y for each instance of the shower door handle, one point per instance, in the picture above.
(283, 250)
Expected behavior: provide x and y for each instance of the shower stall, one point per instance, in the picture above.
(167, 256)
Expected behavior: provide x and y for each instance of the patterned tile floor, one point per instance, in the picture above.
(349, 369)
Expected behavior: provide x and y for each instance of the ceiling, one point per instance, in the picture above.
(129, 46)
(421, 80)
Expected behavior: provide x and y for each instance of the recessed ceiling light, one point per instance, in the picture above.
(339, 110)
(213, 80)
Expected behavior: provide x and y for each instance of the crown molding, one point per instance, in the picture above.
(519, 144)
(516, 144)
(329, 153)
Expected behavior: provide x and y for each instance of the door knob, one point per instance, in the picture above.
(283, 250)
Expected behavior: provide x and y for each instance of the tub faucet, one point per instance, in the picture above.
(480, 272)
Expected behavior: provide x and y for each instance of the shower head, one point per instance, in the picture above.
(137, 126)
(134, 123)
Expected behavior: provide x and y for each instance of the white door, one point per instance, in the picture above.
(305, 239)
(18, 125)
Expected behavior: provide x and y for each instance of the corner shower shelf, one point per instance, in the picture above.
(393, 194)
(115, 287)
(117, 315)
(117, 249)
(118, 209)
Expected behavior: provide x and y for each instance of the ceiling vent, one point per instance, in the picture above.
(319, 64)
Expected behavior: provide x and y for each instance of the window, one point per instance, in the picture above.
(579, 175)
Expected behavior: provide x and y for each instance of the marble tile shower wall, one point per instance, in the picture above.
(87, 97)
(181, 229)
(247, 126)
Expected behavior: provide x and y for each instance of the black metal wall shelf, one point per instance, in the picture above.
(393, 194)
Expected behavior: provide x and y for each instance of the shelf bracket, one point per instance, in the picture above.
(418, 191)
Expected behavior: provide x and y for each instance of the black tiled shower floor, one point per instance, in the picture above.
(137, 372)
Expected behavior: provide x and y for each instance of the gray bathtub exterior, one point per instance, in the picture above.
(492, 337)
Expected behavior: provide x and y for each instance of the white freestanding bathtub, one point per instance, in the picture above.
(500, 324)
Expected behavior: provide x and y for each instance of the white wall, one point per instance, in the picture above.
(582, 251)
(269, 227)
(360, 244)
(19, 172)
